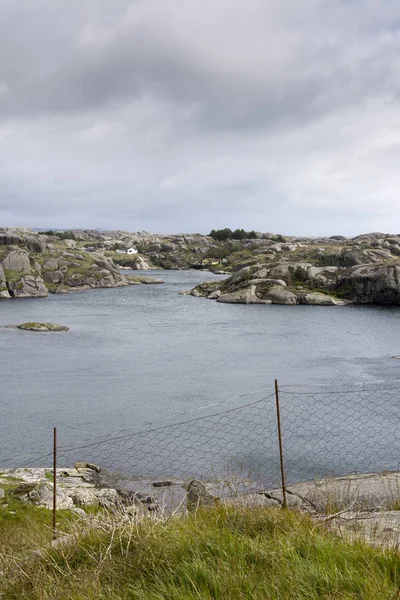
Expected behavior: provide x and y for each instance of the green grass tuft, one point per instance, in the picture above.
(221, 554)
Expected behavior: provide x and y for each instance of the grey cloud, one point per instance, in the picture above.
(266, 115)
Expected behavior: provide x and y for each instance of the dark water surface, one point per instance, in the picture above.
(144, 353)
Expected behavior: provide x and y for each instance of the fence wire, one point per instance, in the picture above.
(236, 443)
(336, 432)
(326, 431)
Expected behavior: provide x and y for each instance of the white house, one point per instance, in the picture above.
(129, 251)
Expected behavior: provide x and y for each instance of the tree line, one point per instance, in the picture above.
(228, 234)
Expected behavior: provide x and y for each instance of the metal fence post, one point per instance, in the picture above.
(278, 417)
(54, 483)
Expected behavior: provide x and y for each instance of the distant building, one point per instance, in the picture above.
(129, 251)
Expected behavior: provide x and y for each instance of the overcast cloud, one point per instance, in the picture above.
(175, 116)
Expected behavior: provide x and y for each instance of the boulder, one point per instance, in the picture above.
(199, 496)
(290, 272)
(79, 465)
(107, 498)
(140, 265)
(319, 299)
(18, 261)
(242, 296)
(244, 274)
(53, 276)
(94, 497)
(42, 495)
(104, 263)
(280, 295)
(28, 286)
(318, 276)
(214, 295)
(261, 274)
(50, 265)
(34, 243)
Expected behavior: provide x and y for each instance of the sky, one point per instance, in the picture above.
(185, 116)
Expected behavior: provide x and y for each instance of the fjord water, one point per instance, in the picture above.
(145, 353)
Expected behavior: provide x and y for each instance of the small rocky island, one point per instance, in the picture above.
(42, 327)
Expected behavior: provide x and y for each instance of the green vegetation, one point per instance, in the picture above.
(14, 276)
(23, 526)
(278, 238)
(223, 553)
(228, 234)
(124, 260)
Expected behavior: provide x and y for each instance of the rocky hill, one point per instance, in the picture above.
(266, 269)
(364, 270)
(34, 265)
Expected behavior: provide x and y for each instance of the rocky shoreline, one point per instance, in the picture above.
(266, 269)
(365, 505)
(34, 265)
(304, 283)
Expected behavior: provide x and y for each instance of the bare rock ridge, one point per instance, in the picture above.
(266, 269)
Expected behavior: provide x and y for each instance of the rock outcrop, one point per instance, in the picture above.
(377, 283)
(304, 283)
(42, 327)
(32, 266)
(267, 269)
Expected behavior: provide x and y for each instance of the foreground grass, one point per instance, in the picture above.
(221, 554)
(24, 527)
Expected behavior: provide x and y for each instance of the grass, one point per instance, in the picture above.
(14, 276)
(224, 553)
(24, 526)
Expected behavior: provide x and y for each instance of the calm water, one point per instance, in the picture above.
(142, 353)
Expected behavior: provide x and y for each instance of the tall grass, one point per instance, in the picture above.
(223, 553)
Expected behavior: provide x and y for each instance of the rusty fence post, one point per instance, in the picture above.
(278, 418)
(54, 483)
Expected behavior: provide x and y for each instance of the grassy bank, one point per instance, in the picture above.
(223, 553)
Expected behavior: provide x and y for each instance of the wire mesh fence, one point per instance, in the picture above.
(325, 431)
(340, 431)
